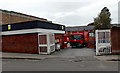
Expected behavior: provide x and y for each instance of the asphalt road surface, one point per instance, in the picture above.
(72, 52)
(67, 60)
(58, 65)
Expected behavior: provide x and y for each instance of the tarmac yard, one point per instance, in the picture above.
(75, 59)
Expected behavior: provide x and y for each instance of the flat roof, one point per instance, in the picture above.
(115, 25)
(79, 28)
(32, 25)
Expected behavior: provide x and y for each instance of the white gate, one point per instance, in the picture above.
(46, 43)
(103, 42)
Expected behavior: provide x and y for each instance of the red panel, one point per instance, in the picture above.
(43, 39)
(91, 40)
(43, 49)
(27, 43)
(77, 31)
(61, 38)
(91, 43)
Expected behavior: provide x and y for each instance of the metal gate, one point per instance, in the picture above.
(46, 43)
(103, 42)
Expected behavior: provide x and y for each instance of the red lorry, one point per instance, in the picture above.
(79, 38)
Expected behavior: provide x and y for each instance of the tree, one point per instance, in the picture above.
(103, 21)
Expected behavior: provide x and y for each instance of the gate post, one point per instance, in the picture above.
(97, 51)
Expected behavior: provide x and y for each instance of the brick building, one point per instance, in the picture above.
(31, 37)
(115, 38)
(11, 17)
(29, 34)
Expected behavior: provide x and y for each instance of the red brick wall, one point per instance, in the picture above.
(115, 38)
(26, 43)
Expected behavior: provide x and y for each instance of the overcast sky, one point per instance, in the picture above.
(68, 12)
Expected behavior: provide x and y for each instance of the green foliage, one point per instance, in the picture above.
(103, 21)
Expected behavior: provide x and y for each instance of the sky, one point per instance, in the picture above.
(66, 12)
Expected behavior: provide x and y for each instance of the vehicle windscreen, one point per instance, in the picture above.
(76, 36)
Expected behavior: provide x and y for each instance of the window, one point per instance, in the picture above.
(103, 37)
(77, 36)
(91, 34)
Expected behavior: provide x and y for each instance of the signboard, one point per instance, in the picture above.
(9, 27)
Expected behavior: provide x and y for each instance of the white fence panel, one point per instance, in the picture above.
(103, 42)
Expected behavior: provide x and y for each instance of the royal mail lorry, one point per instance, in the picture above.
(79, 38)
